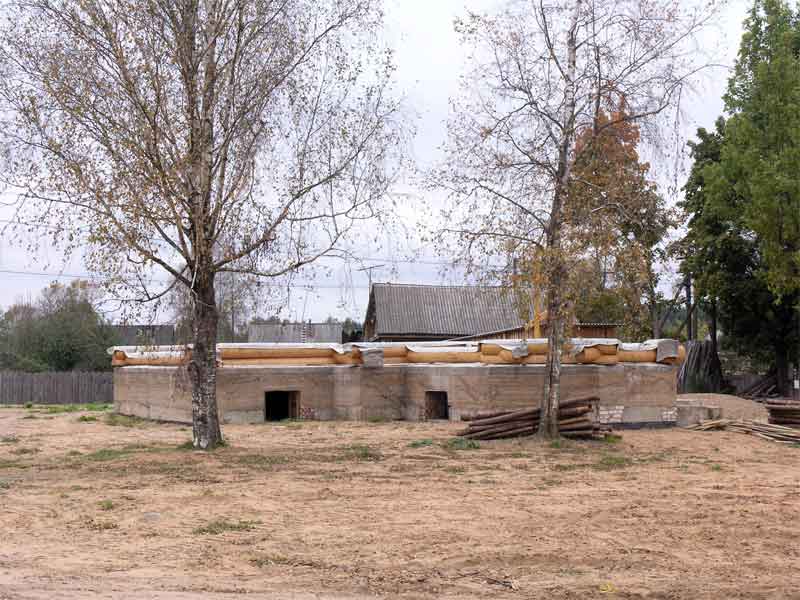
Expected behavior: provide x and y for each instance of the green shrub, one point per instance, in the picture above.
(362, 452)
(221, 526)
(421, 443)
(610, 462)
(459, 443)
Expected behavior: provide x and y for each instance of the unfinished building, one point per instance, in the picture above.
(433, 380)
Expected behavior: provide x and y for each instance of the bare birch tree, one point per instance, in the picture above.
(197, 137)
(541, 74)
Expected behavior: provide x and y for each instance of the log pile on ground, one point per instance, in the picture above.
(784, 412)
(763, 388)
(576, 418)
(767, 431)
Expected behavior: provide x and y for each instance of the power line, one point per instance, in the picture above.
(392, 259)
(305, 286)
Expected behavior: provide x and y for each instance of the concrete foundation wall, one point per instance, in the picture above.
(629, 393)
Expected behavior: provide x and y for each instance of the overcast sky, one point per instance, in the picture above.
(429, 61)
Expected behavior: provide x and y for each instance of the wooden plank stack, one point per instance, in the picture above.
(763, 388)
(767, 431)
(784, 412)
(576, 418)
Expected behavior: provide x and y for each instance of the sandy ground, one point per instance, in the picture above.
(360, 510)
(732, 407)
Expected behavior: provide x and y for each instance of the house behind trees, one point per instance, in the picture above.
(410, 312)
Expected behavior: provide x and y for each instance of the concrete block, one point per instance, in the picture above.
(691, 414)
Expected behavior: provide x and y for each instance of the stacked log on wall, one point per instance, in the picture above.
(576, 418)
(523, 352)
(786, 413)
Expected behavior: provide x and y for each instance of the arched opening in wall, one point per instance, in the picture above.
(281, 404)
(436, 406)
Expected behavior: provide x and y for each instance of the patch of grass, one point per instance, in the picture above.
(259, 461)
(518, 455)
(716, 467)
(101, 525)
(11, 464)
(5, 485)
(557, 444)
(269, 560)
(421, 443)
(362, 452)
(29, 405)
(612, 438)
(563, 467)
(221, 526)
(9, 439)
(56, 409)
(106, 505)
(459, 443)
(105, 454)
(609, 462)
(87, 419)
(455, 470)
(116, 420)
(378, 419)
(21, 451)
(548, 482)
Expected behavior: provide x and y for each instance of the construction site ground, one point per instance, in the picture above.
(95, 506)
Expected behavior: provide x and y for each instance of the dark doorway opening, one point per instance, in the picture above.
(436, 405)
(280, 405)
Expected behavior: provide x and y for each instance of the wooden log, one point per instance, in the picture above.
(517, 432)
(514, 416)
(501, 428)
(588, 401)
(577, 427)
(564, 418)
(485, 415)
(570, 421)
(574, 412)
(516, 423)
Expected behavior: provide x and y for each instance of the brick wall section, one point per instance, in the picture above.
(611, 414)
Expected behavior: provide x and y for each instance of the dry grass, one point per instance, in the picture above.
(360, 510)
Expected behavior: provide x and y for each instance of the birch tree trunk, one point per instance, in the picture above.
(206, 432)
(555, 268)
(541, 73)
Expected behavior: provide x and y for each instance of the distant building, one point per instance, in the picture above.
(406, 312)
(295, 332)
(144, 335)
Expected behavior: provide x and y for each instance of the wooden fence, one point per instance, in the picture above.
(66, 387)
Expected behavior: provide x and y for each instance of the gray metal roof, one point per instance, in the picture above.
(295, 332)
(402, 309)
